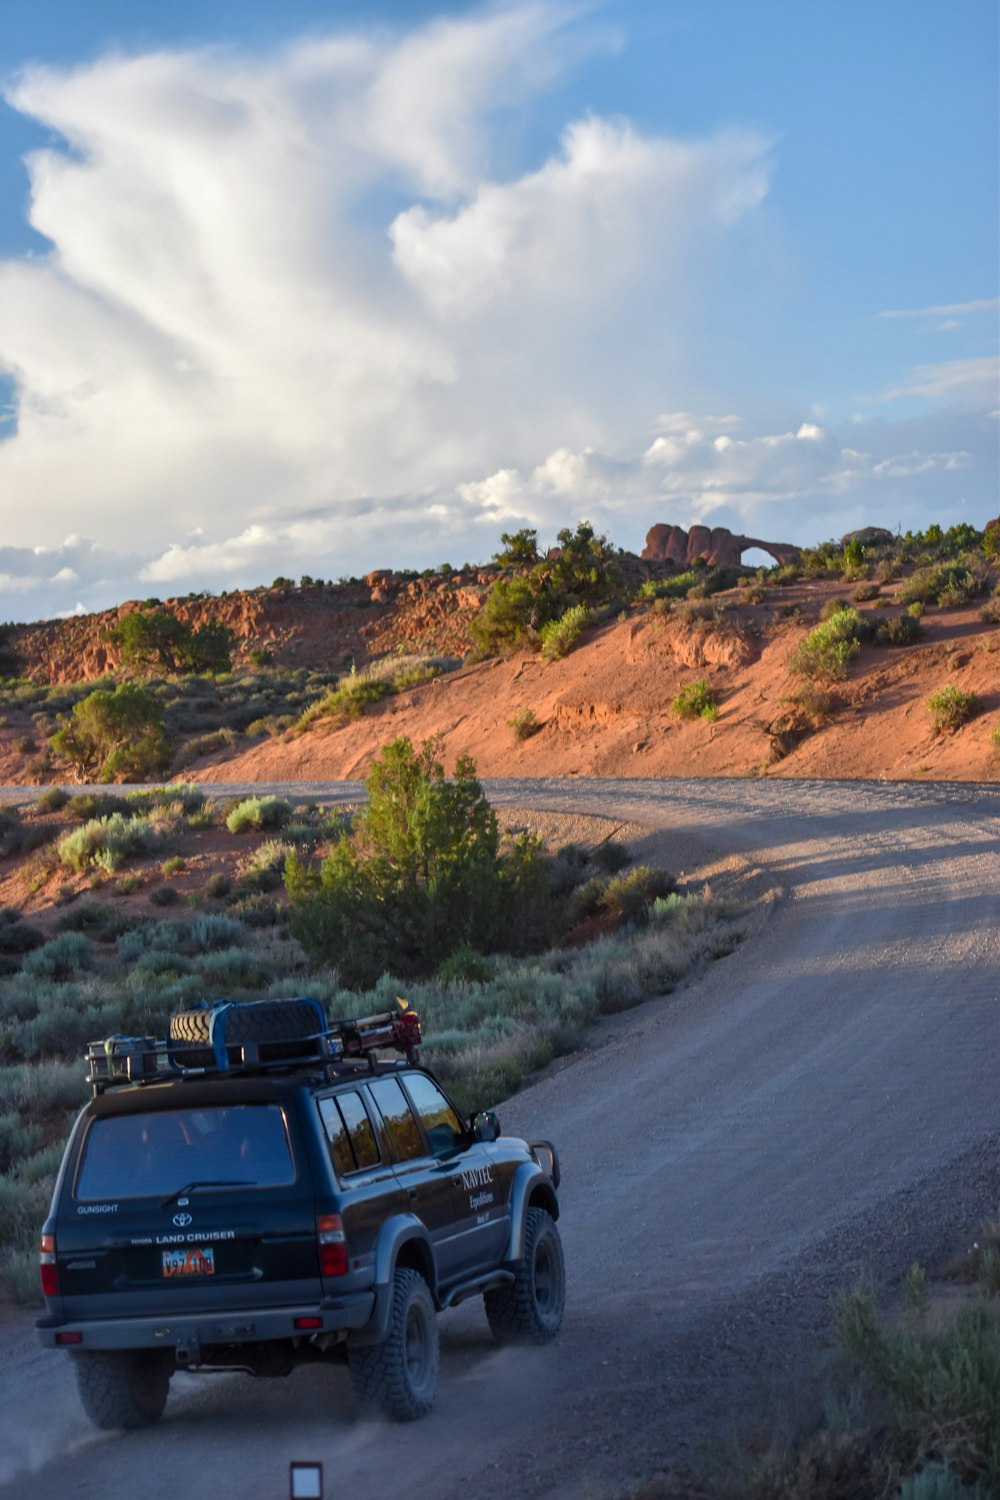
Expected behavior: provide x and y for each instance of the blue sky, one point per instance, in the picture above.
(327, 287)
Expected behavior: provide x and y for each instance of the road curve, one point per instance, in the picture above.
(844, 1055)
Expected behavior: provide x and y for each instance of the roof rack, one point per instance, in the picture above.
(120, 1060)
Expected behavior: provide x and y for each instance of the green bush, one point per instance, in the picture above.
(217, 886)
(947, 584)
(942, 1390)
(827, 652)
(52, 801)
(558, 637)
(421, 874)
(898, 630)
(695, 700)
(950, 708)
(154, 640)
(113, 735)
(253, 814)
(524, 724)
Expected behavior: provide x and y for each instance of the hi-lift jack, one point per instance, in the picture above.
(119, 1060)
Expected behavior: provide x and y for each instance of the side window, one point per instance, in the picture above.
(400, 1122)
(441, 1124)
(349, 1133)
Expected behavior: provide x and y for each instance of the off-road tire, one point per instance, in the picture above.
(399, 1377)
(261, 1021)
(122, 1388)
(258, 1021)
(530, 1309)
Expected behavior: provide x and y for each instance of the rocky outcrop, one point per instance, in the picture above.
(868, 536)
(716, 545)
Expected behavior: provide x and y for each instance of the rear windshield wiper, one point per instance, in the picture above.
(193, 1187)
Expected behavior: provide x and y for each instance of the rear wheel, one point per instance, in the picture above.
(122, 1388)
(530, 1309)
(399, 1376)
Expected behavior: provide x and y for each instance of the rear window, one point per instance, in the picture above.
(153, 1155)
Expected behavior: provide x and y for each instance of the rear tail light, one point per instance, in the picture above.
(47, 1266)
(307, 1323)
(69, 1338)
(333, 1258)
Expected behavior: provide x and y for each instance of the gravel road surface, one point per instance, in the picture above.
(822, 1101)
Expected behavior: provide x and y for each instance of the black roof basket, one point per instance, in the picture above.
(119, 1060)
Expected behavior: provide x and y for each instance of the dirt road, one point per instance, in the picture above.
(822, 1100)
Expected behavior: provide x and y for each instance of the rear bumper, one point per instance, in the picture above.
(195, 1331)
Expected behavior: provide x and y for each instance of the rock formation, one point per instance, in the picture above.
(716, 545)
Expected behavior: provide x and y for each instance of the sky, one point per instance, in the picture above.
(325, 288)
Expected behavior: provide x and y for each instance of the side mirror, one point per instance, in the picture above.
(485, 1125)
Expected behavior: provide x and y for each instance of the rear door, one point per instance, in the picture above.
(187, 1208)
(426, 1182)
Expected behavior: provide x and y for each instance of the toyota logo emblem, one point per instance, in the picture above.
(182, 1220)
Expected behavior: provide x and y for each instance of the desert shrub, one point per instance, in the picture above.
(217, 886)
(833, 607)
(865, 591)
(88, 805)
(184, 797)
(990, 611)
(253, 814)
(204, 744)
(175, 865)
(114, 734)
(827, 652)
(995, 738)
(519, 550)
(270, 857)
(260, 656)
(558, 637)
(52, 801)
(611, 856)
(695, 700)
(19, 837)
(98, 918)
(942, 1390)
(949, 583)
(257, 910)
(25, 745)
(950, 708)
(230, 968)
(127, 885)
(60, 958)
(154, 640)
(165, 895)
(106, 842)
(212, 930)
(269, 724)
(421, 875)
(464, 966)
(18, 938)
(898, 630)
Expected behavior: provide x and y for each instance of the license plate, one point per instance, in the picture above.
(198, 1261)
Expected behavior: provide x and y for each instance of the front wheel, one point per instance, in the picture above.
(399, 1376)
(122, 1388)
(530, 1309)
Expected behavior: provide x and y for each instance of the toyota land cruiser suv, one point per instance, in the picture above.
(265, 1189)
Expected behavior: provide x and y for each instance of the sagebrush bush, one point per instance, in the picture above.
(60, 958)
(106, 842)
(950, 708)
(254, 814)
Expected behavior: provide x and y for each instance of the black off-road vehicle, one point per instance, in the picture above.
(265, 1189)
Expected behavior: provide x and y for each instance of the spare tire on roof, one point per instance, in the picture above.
(212, 1028)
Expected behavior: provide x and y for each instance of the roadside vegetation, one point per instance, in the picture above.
(509, 949)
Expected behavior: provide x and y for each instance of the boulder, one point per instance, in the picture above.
(868, 536)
